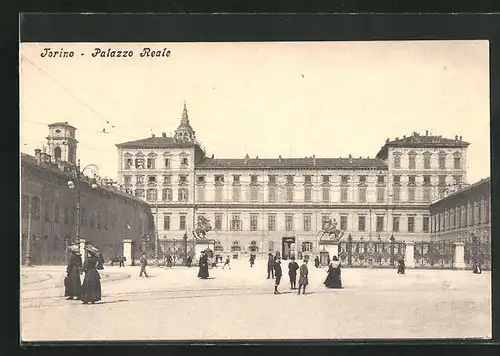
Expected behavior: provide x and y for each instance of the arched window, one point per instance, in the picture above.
(307, 246)
(236, 246)
(57, 153)
(218, 247)
(253, 246)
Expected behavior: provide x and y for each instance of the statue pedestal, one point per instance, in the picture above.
(204, 244)
(332, 247)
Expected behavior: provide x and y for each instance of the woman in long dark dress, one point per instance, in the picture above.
(91, 287)
(334, 280)
(72, 281)
(203, 272)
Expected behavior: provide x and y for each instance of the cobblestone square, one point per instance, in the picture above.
(173, 304)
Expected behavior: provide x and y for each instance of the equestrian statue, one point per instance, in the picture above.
(330, 229)
(202, 227)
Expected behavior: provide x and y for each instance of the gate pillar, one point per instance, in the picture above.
(127, 251)
(459, 261)
(409, 254)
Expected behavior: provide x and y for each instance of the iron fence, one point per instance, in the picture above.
(371, 253)
(477, 252)
(434, 254)
(178, 250)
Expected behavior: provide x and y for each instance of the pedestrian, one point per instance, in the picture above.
(277, 275)
(252, 260)
(477, 268)
(122, 261)
(401, 266)
(189, 261)
(316, 262)
(91, 287)
(100, 261)
(169, 261)
(72, 281)
(303, 279)
(203, 264)
(227, 263)
(270, 266)
(292, 273)
(144, 262)
(334, 280)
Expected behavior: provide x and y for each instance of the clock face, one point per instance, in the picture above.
(57, 132)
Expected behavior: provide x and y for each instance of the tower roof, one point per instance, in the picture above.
(61, 124)
(185, 132)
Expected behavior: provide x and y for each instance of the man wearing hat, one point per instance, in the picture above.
(72, 282)
(292, 273)
(277, 275)
(144, 262)
(270, 265)
(91, 287)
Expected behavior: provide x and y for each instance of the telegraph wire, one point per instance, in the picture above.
(107, 122)
(87, 130)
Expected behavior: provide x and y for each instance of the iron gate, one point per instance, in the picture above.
(178, 250)
(477, 252)
(371, 253)
(439, 254)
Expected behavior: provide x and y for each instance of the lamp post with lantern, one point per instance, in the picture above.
(78, 174)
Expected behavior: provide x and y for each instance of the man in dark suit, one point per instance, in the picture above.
(277, 275)
(270, 265)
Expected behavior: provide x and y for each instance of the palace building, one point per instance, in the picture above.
(262, 205)
(49, 221)
(463, 214)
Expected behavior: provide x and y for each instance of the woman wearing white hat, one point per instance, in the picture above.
(91, 287)
(72, 282)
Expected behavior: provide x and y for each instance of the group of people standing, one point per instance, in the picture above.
(90, 290)
(274, 270)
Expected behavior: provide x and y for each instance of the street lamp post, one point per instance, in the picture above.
(77, 175)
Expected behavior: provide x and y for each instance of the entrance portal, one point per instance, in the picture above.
(288, 247)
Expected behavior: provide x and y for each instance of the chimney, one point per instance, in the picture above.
(456, 137)
(152, 135)
(426, 132)
(279, 158)
(404, 136)
(213, 156)
(350, 156)
(460, 138)
(164, 134)
(38, 155)
(387, 141)
(256, 157)
(397, 138)
(314, 159)
(246, 158)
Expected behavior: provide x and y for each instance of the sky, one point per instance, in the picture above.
(330, 99)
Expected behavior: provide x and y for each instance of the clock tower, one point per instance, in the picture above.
(61, 142)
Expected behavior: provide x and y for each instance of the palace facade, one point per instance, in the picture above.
(463, 214)
(263, 205)
(48, 206)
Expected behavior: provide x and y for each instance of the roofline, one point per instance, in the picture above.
(28, 161)
(61, 123)
(469, 187)
(455, 144)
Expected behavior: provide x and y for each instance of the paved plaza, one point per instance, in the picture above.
(173, 304)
